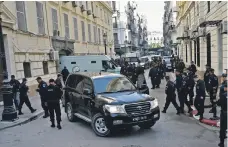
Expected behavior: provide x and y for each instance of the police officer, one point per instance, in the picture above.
(153, 76)
(53, 96)
(42, 89)
(123, 69)
(184, 93)
(191, 84)
(213, 88)
(192, 68)
(130, 71)
(158, 76)
(223, 115)
(16, 85)
(224, 81)
(134, 73)
(170, 95)
(24, 97)
(178, 83)
(181, 66)
(206, 77)
(200, 96)
(58, 81)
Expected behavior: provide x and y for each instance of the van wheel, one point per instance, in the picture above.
(99, 125)
(146, 125)
(70, 114)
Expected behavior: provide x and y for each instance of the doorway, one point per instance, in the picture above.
(208, 37)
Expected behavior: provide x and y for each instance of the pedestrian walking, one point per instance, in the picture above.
(65, 73)
(183, 93)
(16, 85)
(141, 80)
(42, 89)
(223, 115)
(153, 76)
(181, 66)
(53, 97)
(206, 78)
(58, 81)
(200, 96)
(170, 95)
(213, 88)
(191, 84)
(192, 68)
(24, 97)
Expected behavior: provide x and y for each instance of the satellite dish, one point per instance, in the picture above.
(75, 69)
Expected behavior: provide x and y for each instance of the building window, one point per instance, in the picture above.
(208, 6)
(21, 16)
(40, 17)
(27, 69)
(102, 35)
(45, 67)
(89, 32)
(54, 19)
(83, 31)
(99, 35)
(115, 38)
(66, 25)
(198, 51)
(87, 5)
(95, 34)
(75, 28)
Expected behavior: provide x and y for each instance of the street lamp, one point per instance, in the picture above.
(9, 113)
(105, 41)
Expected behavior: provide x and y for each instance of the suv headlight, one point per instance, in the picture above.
(153, 104)
(115, 109)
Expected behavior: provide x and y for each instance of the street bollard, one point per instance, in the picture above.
(9, 113)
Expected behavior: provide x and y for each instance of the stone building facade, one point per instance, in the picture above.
(202, 34)
(34, 29)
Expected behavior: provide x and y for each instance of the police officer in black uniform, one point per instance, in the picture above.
(223, 116)
(191, 84)
(53, 96)
(153, 76)
(123, 69)
(178, 83)
(170, 95)
(206, 78)
(24, 97)
(42, 89)
(16, 85)
(213, 88)
(134, 77)
(158, 76)
(200, 96)
(184, 93)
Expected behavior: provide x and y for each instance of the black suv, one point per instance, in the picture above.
(108, 101)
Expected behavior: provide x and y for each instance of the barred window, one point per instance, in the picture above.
(21, 16)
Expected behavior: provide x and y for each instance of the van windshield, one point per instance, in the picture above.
(112, 85)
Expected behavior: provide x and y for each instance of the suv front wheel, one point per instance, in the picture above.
(99, 125)
(146, 125)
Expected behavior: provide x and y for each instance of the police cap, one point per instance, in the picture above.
(211, 70)
(224, 75)
(51, 80)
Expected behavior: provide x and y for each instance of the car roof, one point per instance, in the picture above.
(95, 75)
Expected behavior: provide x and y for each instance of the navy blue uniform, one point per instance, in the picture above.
(191, 84)
(42, 89)
(200, 97)
(206, 80)
(213, 88)
(153, 76)
(170, 96)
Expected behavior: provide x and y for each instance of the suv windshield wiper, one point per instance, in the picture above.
(125, 90)
(106, 92)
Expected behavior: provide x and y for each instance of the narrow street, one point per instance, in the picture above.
(170, 131)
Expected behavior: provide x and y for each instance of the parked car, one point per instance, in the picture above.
(108, 101)
(145, 61)
(168, 62)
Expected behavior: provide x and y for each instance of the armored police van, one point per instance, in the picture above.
(89, 63)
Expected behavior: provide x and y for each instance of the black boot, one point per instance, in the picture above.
(164, 111)
(33, 110)
(59, 126)
(178, 112)
(46, 115)
(52, 124)
(20, 113)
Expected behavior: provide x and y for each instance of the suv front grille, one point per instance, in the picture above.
(137, 108)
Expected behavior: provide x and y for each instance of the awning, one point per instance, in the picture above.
(210, 23)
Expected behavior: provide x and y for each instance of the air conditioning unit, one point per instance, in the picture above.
(54, 55)
(83, 8)
(55, 33)
(175, 9)
(74, 4)
(223, 26)
(201, 20)
(89, 12)
(201, 32)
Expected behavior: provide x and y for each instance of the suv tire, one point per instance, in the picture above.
(99, 126)
(70, 114)
(146, 125)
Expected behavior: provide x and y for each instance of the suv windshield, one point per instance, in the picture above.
(112, 84)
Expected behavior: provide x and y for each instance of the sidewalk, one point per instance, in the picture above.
(207, 115)
(27, 117)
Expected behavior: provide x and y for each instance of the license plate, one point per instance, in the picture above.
(140, 118)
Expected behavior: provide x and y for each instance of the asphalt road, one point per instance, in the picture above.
(170, 131)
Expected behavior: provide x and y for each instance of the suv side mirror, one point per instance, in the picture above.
(86, 91)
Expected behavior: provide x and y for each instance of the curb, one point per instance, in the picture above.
(206, 121)
(24, 121)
